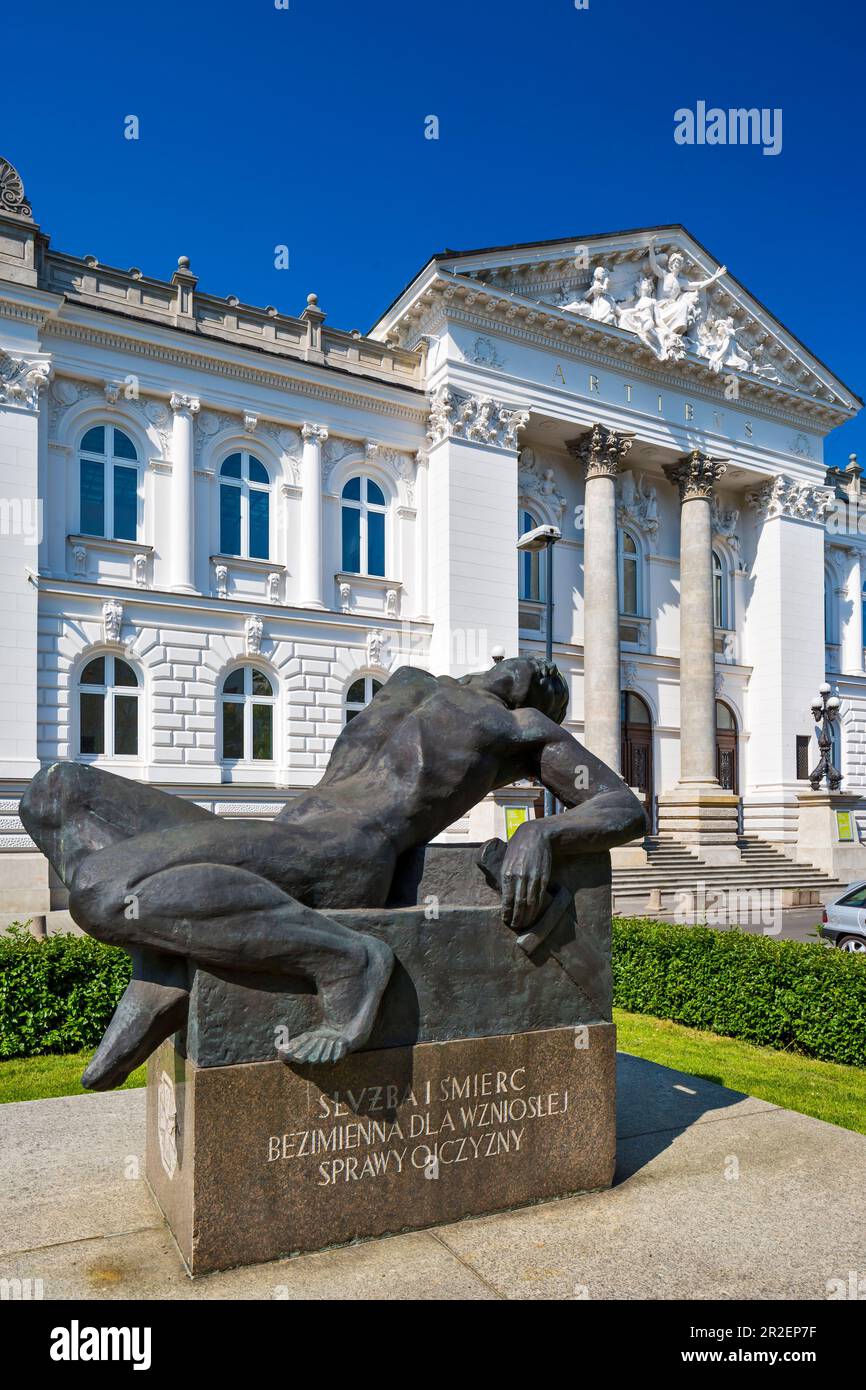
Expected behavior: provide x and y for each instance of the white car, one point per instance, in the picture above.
(844, 919)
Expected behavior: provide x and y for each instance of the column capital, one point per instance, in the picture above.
(180, 403)
(694, 475)
(600, 450)
(317, 433)
(22, 380)
(784, 496)
(479, 419)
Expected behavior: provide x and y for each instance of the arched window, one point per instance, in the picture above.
(248, 716)
(629, 575)
(531, 571)
(108, 709)
(359, 695)
(108, 484)
(720, 591)
(363, 521)
(245, 507)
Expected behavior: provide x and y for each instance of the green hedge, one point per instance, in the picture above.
(57, 995)
(787, 994)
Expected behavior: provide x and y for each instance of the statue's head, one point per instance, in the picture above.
(675, 262)
(527, 682)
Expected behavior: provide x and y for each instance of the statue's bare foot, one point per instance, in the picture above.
(350, 1006)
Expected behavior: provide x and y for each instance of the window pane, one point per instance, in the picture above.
(92, 709)
(355, 695)
(258, 472)
(123, 446)
(232, 466)
(376, 543)
(94, 672)
(350, 714)
(125, 725)
(234, 684)
(94, 440)
(261, 684)
(263, 731)
(233, 730)
(352, 490)
(628, 544)
(125, 503)
(123, 673)
(629, 585)
(259, 526)
(375, 494)
(724, 718)
(92, 498)
(351, 540)
(230, 520)
(636, 710)
(377, 686)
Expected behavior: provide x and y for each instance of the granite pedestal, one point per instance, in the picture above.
(488, 1081)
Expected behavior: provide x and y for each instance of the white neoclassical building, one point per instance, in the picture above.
(223, 526)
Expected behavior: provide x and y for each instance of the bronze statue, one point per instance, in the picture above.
(177, 886)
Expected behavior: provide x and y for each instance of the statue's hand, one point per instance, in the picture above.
(526, 873)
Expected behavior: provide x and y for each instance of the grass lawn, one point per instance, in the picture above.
(827, 1090)
(35, 1078)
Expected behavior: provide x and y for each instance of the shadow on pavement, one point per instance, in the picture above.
(655, 1104)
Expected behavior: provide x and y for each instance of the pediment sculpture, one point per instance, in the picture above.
(665, 310)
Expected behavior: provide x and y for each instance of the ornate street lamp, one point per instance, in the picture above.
(825, 711)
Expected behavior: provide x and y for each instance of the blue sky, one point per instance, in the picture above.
(305, 127)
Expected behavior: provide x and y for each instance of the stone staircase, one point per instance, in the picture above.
(673, 871)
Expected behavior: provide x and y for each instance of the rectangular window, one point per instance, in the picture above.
(351, 540)
(803, 741)
(629, 586)
(125, 503)
(376, 543)
(125, 725)
(233, 729)
(92, 498)
(259, 525)
(92, 718)
(263, 731)
(230, 520)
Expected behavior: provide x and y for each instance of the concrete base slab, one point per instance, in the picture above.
(716, 1195)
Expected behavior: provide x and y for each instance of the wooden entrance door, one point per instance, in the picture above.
(726, 748)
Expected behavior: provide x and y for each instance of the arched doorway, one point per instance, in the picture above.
(637, 746)
(726, 747)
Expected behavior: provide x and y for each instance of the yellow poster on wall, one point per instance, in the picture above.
(844, 826)
(515, 816)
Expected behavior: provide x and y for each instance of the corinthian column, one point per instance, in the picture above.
(701, 813)
(182, 567)
(311, 576)
(601, 452)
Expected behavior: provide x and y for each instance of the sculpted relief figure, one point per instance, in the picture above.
(678, 303)
(180, 887)
(597, 303)
(638, 315)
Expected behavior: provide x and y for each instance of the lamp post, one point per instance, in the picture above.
(825, 711)
(544, 538)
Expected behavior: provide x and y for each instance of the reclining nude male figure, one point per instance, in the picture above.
(174, 884)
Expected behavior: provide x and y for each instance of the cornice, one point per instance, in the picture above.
(249, 372)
